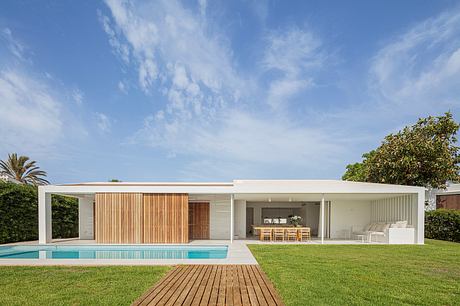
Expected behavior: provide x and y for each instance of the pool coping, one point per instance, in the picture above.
(238, 253)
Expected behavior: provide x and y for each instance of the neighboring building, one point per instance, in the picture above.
(6, 178)
(449, 198)
(179, 212)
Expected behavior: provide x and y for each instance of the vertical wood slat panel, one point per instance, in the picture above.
(199, 220)
(165, 218)
(141, 218)
(118, 218)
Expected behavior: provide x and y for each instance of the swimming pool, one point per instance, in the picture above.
(112, 252)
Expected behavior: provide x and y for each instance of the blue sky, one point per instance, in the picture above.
(219, 90)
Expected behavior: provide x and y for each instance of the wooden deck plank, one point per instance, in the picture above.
(222, 287)
(242, 284)
(270, 286)
(163, 288)
(215, 287)
(157, 286)
(212, 285)
(263, 287)
(205, 299)
(199, 295)
(169, 289)
(179, 287)
(193, 291)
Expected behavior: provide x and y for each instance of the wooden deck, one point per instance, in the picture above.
(212, 285)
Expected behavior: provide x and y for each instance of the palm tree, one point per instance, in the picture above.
(23, 170)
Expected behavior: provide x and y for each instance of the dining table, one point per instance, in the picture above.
(258, 228)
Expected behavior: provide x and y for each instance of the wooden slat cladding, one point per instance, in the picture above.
(199, 220)
(165, 218)
(119, 218)
(141, 218)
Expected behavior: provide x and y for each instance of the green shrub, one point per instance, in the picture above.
(19, 214)
(443, 224)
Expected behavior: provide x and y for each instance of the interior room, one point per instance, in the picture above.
(279, 213)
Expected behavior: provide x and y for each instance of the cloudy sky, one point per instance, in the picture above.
(219, 90)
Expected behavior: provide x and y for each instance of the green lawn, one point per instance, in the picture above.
(364, 274)
(118, 285)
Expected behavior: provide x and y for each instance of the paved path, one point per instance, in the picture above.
(212, 285)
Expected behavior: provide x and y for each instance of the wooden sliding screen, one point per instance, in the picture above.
(119, 218)
(165, 218)
(141, 218)
(198, 220)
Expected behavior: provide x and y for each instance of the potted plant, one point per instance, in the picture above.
(295, 220)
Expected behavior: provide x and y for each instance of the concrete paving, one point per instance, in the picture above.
(238, 254)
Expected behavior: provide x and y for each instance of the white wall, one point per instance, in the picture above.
(219, 223)
(395, 209)
(311, 217)
(85, 218)
(346, 214)
(240, 219)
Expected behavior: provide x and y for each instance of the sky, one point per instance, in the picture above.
(219, 90)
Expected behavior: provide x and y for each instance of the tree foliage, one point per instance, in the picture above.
(19, 214)
(23, 170)
(424, 154)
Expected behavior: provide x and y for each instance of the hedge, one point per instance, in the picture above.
(19, 214)
(443, 224)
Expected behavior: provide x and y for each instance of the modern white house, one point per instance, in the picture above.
(161, 212)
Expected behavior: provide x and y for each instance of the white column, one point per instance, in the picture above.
(420, 206)
(44, 216)
(322, 219)
(85, 218)
(231, 217)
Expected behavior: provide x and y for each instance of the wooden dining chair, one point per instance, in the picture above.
(278, 233)
(265, 233)
(304, 234)
(291, 234)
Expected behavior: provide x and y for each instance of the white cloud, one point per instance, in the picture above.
(296, 55)
(103, 122)
(119, 48)
(281, 91)
(209, 113)
(123, 87)
(203, 4)
(291, 51)
(30, 113)
(421, 67)
(163, 33)
(78, 96)
(244, 138)
(16, 47)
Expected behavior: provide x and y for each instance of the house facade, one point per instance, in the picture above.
(448, 198)
(161, 212)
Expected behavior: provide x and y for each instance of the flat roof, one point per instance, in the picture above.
(235, 187)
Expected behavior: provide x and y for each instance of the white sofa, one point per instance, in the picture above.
(392, 233)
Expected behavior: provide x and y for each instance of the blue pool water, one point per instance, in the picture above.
(113, 252)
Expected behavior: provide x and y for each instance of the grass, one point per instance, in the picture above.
(116, 285)
(364, 274)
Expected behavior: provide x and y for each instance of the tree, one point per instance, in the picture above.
(358, 172)
(424, 154)
(114, 181)
(23, 170)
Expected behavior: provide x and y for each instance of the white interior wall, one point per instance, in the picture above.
(312, 217)
(219, 223)
(240, 219)
(85, 218)
(394, 209)
(348, 214)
